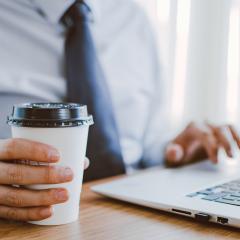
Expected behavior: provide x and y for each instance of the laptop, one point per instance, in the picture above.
(203, 191)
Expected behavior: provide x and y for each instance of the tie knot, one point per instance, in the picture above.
(79, 11)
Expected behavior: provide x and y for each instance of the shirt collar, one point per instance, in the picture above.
(55, 9)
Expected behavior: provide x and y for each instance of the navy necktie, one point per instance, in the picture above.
(86, 84)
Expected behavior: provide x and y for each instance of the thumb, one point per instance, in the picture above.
(174, 154)
(86, 163)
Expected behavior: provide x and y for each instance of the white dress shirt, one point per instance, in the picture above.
(32, 63)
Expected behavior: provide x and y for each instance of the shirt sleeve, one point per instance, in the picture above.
(157, 130)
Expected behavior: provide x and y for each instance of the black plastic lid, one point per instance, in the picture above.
(49, 115)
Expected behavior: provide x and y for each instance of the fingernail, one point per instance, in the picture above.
(67, 174)
(86, 163)
(46, 212)
(53, 155)
(61, 195)
(230, 153)
(175, 153)
(178, 155)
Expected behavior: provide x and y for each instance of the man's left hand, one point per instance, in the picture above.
(199, 141)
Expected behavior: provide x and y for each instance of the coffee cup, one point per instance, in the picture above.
(65, 126)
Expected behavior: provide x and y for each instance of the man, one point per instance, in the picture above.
(32, 69)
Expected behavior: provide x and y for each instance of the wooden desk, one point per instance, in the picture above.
(105, 219)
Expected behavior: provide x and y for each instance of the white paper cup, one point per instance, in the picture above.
(70, 139)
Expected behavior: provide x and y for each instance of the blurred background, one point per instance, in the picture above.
(199, 49)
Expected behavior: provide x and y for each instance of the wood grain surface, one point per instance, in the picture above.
(102, 218)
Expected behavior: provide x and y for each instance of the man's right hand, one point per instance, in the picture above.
(23, 204)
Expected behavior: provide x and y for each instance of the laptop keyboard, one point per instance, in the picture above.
(227, 193)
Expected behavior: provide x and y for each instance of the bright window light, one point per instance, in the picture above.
(163, 10)
(179, 81)
(232, 104)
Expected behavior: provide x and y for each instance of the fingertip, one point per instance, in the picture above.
(46, 212)
(53, 155)
(86, 163)
(229, 153)
(61, 194)
(214, 160)
(67, 174)
(174, 153)
(50, 210)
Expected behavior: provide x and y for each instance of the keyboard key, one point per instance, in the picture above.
(233, 189)
(221, 200)
(210, 198)
(219, 189)
(237, 195)
(213, 197)
(228, 192)
(205, 192)
(230, 198)
(192, 195)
